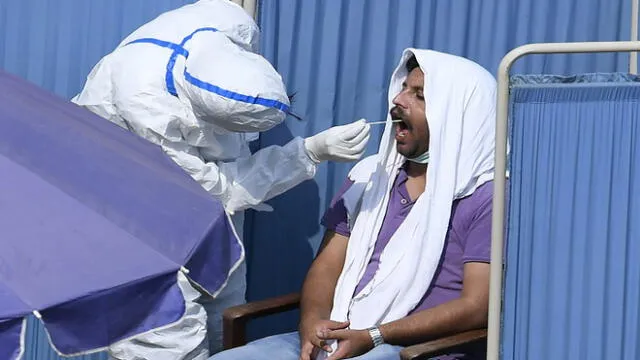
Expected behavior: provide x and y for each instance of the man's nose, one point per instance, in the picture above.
(399, 100)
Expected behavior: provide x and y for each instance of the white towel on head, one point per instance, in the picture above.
(460, 99)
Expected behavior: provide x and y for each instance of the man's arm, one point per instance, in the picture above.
(468, 312)
(319, 285)
(317, 294)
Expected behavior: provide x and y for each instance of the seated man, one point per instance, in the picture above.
(406, 252)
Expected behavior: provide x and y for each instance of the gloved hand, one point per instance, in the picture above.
(339, 143)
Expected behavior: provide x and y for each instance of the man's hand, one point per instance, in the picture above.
(310, 330)
(351, 343)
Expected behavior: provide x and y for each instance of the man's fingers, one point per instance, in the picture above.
(305, 351)
(336, 325)
(320, 343)
(340, 353)
(317, 342)
(333, 334)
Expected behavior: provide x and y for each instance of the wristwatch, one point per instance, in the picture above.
(376, 336)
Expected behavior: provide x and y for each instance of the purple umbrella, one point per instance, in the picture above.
(95, 224)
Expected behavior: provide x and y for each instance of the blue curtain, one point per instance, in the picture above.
(572, 271)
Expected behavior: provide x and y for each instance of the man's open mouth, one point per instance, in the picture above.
(402, 129)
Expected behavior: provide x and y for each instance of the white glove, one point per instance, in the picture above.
(339, 143)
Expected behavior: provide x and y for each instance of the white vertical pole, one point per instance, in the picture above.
(248, 5)
(633, 56)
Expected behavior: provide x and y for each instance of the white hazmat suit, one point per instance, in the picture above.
(191, 82)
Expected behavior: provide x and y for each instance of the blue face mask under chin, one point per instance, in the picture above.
(422, 159)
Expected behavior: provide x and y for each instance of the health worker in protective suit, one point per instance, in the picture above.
(191, 82)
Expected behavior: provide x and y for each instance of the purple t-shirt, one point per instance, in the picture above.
(468, 238)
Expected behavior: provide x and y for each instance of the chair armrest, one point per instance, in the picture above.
(235, 318)
(443, 346)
